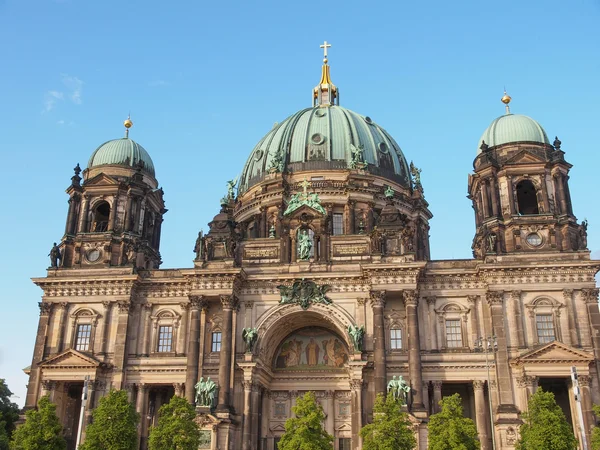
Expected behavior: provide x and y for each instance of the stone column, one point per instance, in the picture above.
(185, 309)
(85, 207)
(411, 301)
(48, 388)
(528, 386)
(247, 424)
(203, 312)
(105, 326)
(351, 219)
(191, 375)
(481, 414)
(586, 404)
(179, 389)
(472, 299)
(511, 311)
(583, 321)
(265, 414)
(484, 199)
(510, 194)
(494, 195)
(437, 395)
(432, 323)
(63, 308)
(147, 323)
(255, 414)
(228, 302)
(356, 387)
(378, 303)
(141, 406)
(559, 183)
(113, 213)
(120, 353)
(570, 307)
(495, 301)
(329, 395)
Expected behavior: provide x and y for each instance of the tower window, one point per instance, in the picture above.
(165, 338)
(453, 334)
(527, 198)
(344, 444)
(395, 338)
(101, 216)
(83, 337)
(216, 342)
(338, 224)
(545, 328)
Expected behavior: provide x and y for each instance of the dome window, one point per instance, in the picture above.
(320, 113)
(101, 216)
(317, 138)
(383, 148)
(527, 198)
(369, 120)
(258, 154)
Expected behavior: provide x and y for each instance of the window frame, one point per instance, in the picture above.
(79, 339)
(163, 343)
(214, 342)
(455, 330)
(165, 318)
(83, 316)
(340, 229)
(394, 339)
(545, 306)
(453, 312)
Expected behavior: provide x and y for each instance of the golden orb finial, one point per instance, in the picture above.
(506, 100)
(127, 123)
(324, 60)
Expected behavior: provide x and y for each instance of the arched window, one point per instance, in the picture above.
(83, 329)
(527, 198)
(544, 315)
(101, 216)
(166, 324)
(452, 319)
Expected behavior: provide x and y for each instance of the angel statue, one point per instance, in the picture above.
(416, 175)
(357, 335)
(250, 335)
(230, 186)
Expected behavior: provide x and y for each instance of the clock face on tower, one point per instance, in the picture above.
(534, 239)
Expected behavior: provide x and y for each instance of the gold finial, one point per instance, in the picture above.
(506, 100)
(325, 93)
(127, 124)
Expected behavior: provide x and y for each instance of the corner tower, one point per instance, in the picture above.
(115, 216)
(520, 191)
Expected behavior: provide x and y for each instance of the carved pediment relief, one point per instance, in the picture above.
(101, 180)
(553, 352)
(343, 427)
(279, 428)
(524, 157)
(71, 359)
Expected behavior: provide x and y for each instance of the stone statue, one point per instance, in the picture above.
(55, 256)
(389, 192)
(416, 175)
(357, 159)
(205, 392)
(250, 335)
(272, 232)
(304, 245)
(491, 242)
(230, 186)
(304, 292)
(276, 164)
(199, 246)
(357, 335)
(399, 389)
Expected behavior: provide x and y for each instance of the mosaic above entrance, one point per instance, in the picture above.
(311, 349)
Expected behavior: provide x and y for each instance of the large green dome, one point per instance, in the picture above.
(513, 128)
(122, 152)
(323, 138)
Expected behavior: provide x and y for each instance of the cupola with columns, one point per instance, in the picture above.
(115, 215)
(520, 191)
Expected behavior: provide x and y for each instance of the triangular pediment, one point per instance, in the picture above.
(101, 180)
(554, 352)
(278, 427)
(343, 427)
(70, 359)
(524, 157)
(305, 209)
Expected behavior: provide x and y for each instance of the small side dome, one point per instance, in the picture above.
(122, 152)
(513, 128)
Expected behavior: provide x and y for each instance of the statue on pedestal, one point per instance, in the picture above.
(205, 392)
(399, 389)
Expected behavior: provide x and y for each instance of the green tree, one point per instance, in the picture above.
(176, 429)
(390, 429)
(41, 431)
(449, 429)
(595, 443)
(9, 414)
(545, 426)
(114, 424)
(305, 431)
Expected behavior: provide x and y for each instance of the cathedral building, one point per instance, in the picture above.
(315, 275)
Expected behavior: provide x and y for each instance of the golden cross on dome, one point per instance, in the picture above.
(305, 184)
(325, 46)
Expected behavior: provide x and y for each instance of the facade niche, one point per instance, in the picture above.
(527, 198)
(101, 216)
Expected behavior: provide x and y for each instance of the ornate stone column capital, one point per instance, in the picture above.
(472, 299)
(478, 384)
(515, 295)
(377, 299)
(142, 387)
(247, 385)
(48, 385)
(437, 385)
(494, 298)
(124, 307)
(584, 380)
(410, 297)
(229, 301)
(184, 306)
(567, 294)
(360, 301)
(590, 295)
(106, 304)
(248, 304)
(526, 381)
(197, 301)
(45, 308)
(356, 385)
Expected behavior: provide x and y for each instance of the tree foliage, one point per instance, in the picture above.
(595, 442)
(41, 431)
(450, 430)
(114, 424)
(9, 414)
(390, 429)
(176, 429)
(305, 431)
(545, 426)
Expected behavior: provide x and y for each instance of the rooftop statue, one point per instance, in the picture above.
(55, 256)
(357, 160)
(416, 176)
(230, 188)
(304, 198)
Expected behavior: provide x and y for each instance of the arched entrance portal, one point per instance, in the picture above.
(309, 350)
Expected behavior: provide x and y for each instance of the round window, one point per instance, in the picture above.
(258, 154)
(368, 120)
(534, 239)
(383, 148)
(320, 113)
(317, 138)
(93, 255)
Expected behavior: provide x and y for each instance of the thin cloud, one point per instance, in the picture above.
(75, 87)
(51, 98)
(157, 83)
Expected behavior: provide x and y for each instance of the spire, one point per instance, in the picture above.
(127, 124)
(325, 93)
(506, 100)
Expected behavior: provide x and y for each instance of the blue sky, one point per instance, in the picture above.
(204, 81)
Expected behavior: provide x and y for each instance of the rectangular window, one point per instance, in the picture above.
(82, 339)
(344, 443)
(396, 339)
(165, 338)
(216, 342)
(545, 328)
(338, 224)
(276, 442)
(453, 334)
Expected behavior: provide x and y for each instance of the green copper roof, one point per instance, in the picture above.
(323, 138)
(513, 128)
(124, 152)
